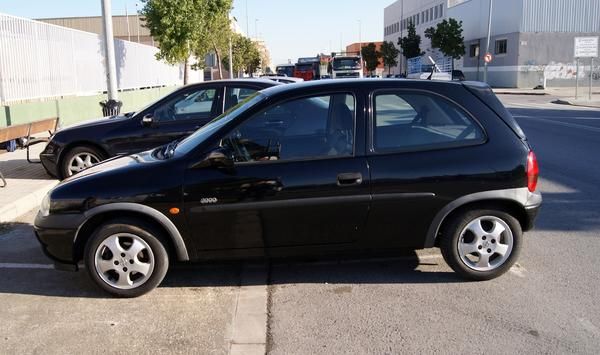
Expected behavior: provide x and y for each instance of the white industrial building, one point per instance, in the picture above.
(532, 41)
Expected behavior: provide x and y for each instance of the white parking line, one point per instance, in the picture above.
(25, 266)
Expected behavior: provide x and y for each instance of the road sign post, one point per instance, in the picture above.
(585, 47)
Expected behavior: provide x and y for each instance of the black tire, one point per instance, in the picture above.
(82, 149)
(150, 235)
(451, 234)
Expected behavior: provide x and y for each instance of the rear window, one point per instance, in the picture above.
(486, 95)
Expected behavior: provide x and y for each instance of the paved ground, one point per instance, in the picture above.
(546, 304)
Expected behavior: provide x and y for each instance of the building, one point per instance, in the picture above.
(355, 48)
(532, 41)
(129, 28)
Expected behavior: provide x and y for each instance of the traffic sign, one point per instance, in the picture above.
(586, 47)
(488, 58)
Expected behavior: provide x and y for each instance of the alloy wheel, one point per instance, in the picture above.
(485, 243)
(124, 261)
(82, 161)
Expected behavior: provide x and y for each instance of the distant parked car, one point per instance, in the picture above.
(283, 79)
(328, 167)
(179, 114)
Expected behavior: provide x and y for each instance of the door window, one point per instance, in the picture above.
(189, 105)
(312, 127)
(413, 121)
(234, 95)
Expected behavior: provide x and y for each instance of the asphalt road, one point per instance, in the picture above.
(410, 304)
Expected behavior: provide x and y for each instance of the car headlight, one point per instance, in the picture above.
(45, 205)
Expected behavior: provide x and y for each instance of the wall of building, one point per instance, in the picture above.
(78, 108)
(355, 48)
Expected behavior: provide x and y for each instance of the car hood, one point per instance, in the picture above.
(96, 122)
(116, 164)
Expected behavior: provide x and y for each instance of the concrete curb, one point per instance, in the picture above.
(249, 333)
(574, 103)
(12, 210)
(541, 93)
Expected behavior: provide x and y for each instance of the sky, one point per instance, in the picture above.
(291, 29)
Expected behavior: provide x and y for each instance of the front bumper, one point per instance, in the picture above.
(56, 234)
(49, 162)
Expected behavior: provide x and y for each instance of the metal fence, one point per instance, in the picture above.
(419, 65)
(39, 60)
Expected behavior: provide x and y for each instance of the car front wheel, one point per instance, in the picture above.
(481, 244)
(80, 158)
(126, 258)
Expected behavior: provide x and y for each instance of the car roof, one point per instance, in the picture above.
(258, 82)
(334, 84)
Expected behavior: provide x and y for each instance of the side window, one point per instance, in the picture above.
(304, 128)
(234, 95)
(190, 105)
(412, 121)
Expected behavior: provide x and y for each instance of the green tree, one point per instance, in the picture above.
(246, 56)
(216, 33)
(411, 44)
(389, 54)
(370, 56)
(447, 37)
(176, 25)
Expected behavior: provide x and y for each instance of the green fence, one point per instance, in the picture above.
(71, 110)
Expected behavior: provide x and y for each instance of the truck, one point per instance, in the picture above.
(285, 70)
(346, 65)
(308, 68)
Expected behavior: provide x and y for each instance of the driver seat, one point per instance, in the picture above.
(340, 131)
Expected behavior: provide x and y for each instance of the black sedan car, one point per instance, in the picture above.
(175, 116)
(350, 166)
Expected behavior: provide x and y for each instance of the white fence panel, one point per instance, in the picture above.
(39, 61)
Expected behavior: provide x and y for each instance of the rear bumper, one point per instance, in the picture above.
(532, 209)
(56, 234)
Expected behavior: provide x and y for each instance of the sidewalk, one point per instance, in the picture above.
(26, 183)
(562, 96)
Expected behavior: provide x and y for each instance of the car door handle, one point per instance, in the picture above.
(349, 179)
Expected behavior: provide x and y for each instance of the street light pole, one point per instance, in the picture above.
(360, 46)
(109, 51)
(487, 47)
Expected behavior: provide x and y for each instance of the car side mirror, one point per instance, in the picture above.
(219, 158)
(148, 120)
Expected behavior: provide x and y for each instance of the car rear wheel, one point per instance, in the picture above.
(481, 244)
(126, 258)
(80, 158)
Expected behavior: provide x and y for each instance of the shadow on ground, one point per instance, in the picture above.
(22, 169)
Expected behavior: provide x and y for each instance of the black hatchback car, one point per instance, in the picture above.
(175, 116)
(327, 167)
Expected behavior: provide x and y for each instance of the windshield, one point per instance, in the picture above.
(346, 63)
(304, 67)
(192, 141)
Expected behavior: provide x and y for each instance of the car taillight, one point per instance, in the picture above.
(533, 171)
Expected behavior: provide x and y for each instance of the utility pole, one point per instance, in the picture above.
(401, 33)
(256, 29)
(230, 58)
(487, 47)
(137, 18)
(109, 50)
(247, 21)
(127, 20)
(360, 45)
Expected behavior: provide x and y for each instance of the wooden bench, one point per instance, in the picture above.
(28, 130)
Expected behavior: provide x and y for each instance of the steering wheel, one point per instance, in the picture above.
(239, 149)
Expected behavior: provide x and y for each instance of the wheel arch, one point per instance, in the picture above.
(98, 215)
(512, 201)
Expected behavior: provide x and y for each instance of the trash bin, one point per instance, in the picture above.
(111, 107)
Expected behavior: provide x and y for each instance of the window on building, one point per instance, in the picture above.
(501, 46)
(435, 12)
(418, 18)
(441, 10)
(474, 50)
(431, 14)
(422, 16)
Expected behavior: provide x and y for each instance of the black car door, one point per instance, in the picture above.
(423, 152)
(174, 117)
(300, 178)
